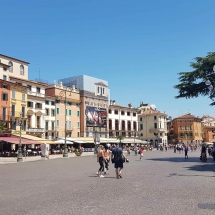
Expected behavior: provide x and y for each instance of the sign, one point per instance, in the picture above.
(96, 117)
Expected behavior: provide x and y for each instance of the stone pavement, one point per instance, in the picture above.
(7, 160)
(163, 183)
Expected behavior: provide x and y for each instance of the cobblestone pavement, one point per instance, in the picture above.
(162, 183)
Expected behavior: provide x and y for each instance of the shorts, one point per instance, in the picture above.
(118, 164)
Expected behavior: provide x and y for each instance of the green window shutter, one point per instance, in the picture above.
(70, 112)
(57, 111)
(78, 113)
(66, 112)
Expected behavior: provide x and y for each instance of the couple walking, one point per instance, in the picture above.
(117, 157)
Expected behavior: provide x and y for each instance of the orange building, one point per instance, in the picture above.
(187, 129)
(5, 115)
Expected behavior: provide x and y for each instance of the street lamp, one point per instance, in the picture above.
(63, 94)
(20, 156)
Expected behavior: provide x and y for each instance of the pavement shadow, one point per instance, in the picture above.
(203, 167)
(183, 175)
(94, 176)
(175, 159)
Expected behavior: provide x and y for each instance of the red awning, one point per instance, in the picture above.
(15, 140)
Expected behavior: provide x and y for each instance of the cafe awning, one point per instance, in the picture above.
(15, 140)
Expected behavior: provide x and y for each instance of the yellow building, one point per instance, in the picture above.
(18, 105)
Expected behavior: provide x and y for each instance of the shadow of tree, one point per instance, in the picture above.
(176, 159)
(183, 175)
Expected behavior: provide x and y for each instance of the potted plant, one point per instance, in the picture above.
(78, 153)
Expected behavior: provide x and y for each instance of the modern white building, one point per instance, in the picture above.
(123, 121)
(152, 126)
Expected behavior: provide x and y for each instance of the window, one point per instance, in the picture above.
(13, 110)
(78, 124)
(4, 86)
(11, 66)
(23, 96)
(110, 111)
(30, 104)
(141, 119)
(13, 94)
(47, 112)
(70, 125)
(141, 126)
(115, 111)
(128, 113)
(4, 97)
(141, 134)
(52, 126)
(134, 114)
(23, 111)
(181, 135)
(69, 103)
(98, 89)
(122, 112)
(70, 112)
(47, 125)
(57, 110)
(181, 128)
(155, 117)
(78, 113)
(191, 127)
(38, 90)
(38, 105)
(66, 112)
(52, 112)
(4, 77)
(46, 102)
(21, 70)
(186, 128)
(155, 125)
(86, 103)
(4, 111)
(29, 88)
(57, 123)
(103, 90)
(52, 103)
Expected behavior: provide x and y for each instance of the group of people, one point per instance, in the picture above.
(115, 155)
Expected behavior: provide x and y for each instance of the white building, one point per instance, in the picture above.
(152, 126)
(50, 119)
(122, 120)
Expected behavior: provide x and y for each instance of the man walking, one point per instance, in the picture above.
(118, 158)
(186, 151)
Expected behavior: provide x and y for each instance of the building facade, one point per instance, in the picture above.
(208, 127)
(153, 126)
(122, 121)
(188, 129)
(13, 67)
(94, 95)
(35, 106)
(67, 110)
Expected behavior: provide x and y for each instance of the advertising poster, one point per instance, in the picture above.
(96, 117)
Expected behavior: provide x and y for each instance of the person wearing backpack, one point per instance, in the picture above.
(118, 158)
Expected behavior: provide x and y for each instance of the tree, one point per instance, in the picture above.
(2, 127)
(192, 84)
(120, 138)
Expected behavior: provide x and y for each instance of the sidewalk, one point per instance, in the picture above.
(8, 160)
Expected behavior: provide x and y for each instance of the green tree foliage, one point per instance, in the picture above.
(2, 127)
(192, 84)
(120, 138)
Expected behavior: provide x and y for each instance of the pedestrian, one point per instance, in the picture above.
(107, 154)
(186, 151)
(100, 159)
(118, 158)
(165, 148)
(141, 152)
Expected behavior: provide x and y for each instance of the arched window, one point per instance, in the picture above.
(11, 66)
(21, 70)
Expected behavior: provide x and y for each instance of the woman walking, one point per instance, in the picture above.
(107, 154)
(100, 159)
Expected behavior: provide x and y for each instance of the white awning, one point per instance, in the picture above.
(63, 141)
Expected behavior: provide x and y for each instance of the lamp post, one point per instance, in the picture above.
(20, 156)
(63, 94)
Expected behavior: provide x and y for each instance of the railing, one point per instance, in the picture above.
(50, 128)
(35, 94)
(154, 130)
(35, 129)
(5, 117)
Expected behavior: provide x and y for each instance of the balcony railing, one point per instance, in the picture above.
(5, 118)
(38, 130)
(35, 94)
(154, 130)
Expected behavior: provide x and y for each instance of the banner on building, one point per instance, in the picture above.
(96, 117)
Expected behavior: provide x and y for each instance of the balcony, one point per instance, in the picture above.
(156, 130)
(50, 128)
(35, 130)
(5, 118)
(35, 94)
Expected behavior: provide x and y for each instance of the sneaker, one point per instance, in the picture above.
(101, 176)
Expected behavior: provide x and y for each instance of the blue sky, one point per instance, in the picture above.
(138, 46)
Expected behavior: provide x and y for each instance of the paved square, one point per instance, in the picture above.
(162, 183)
